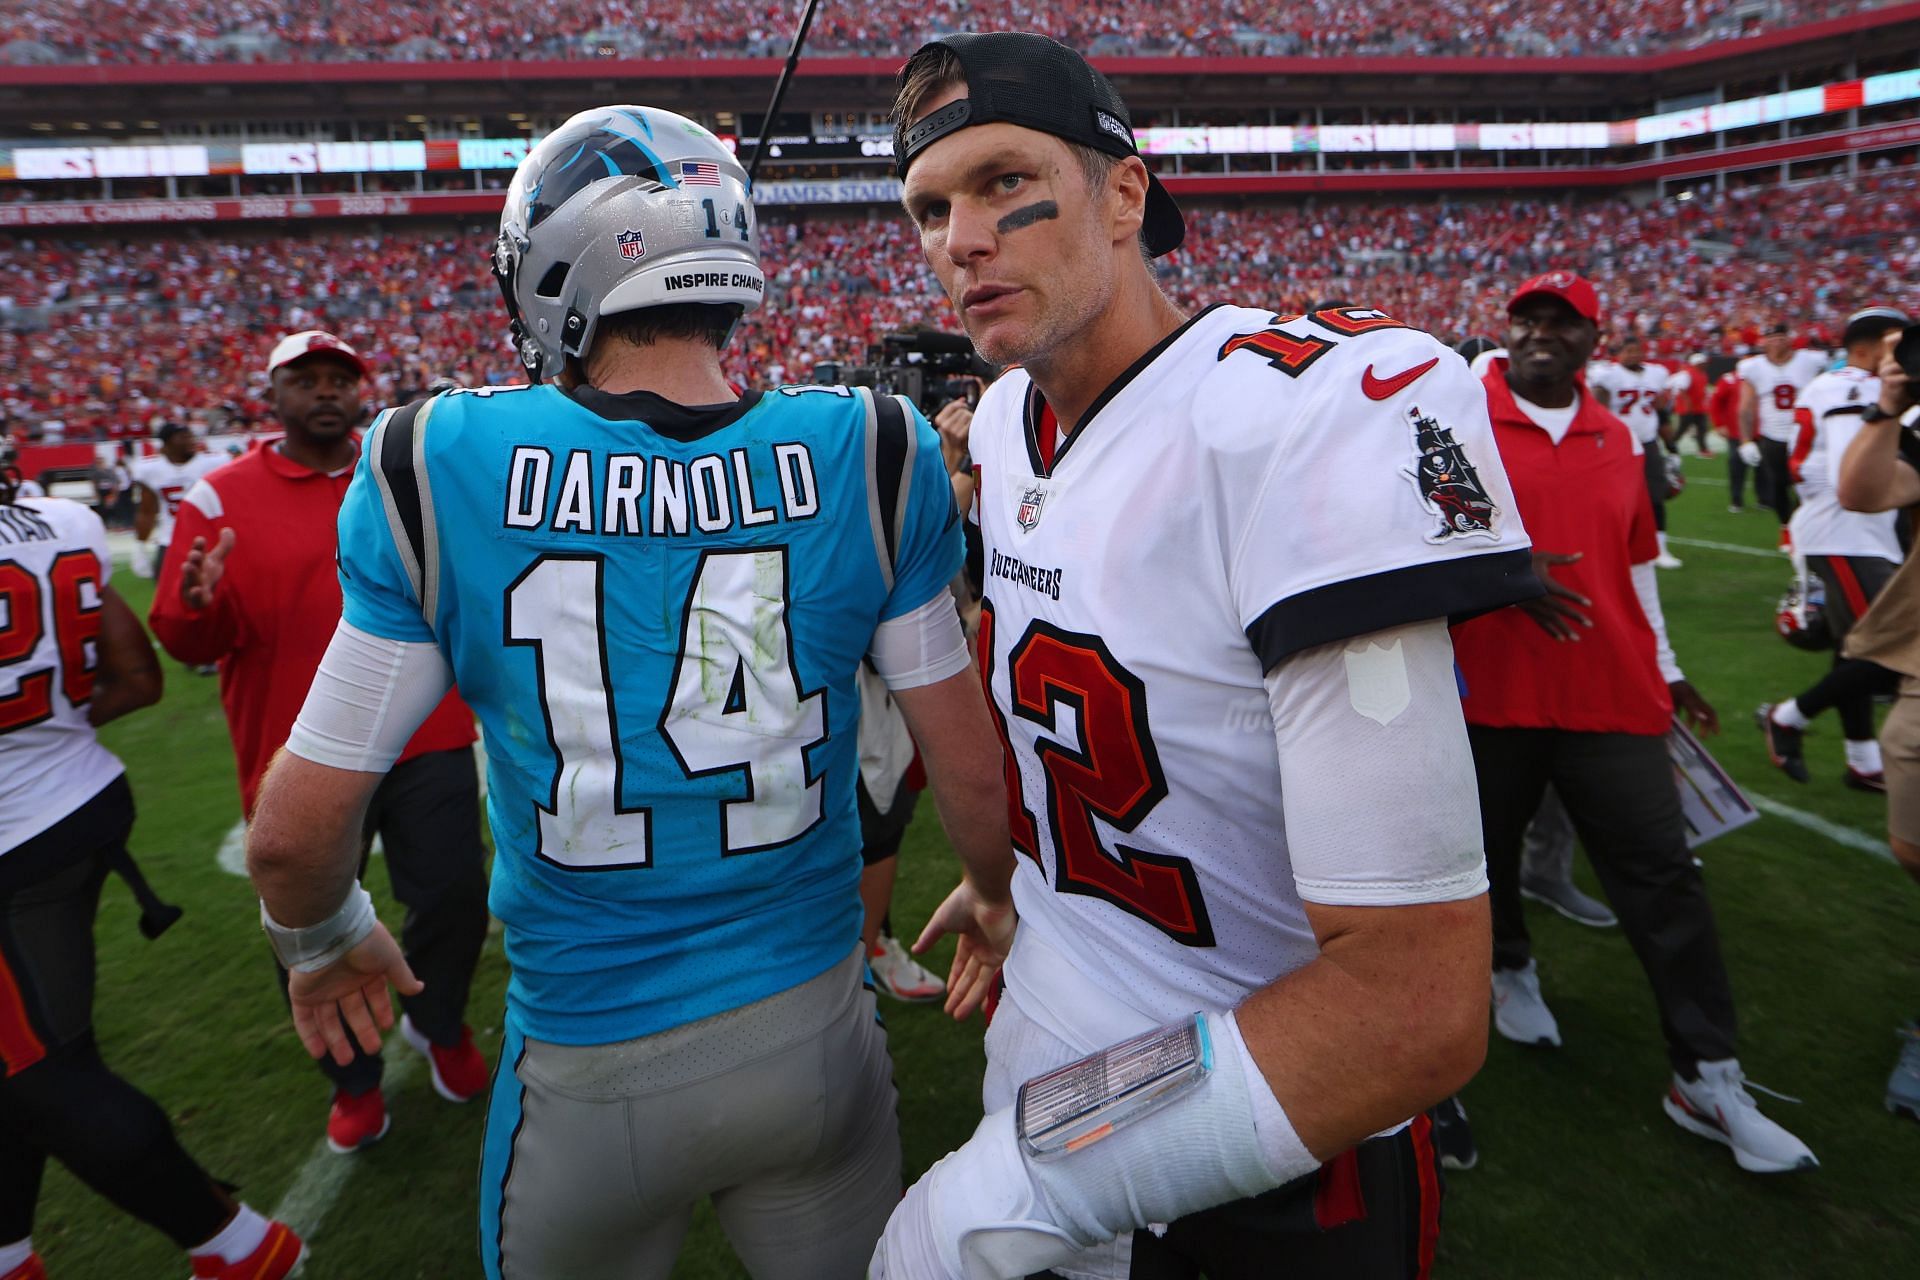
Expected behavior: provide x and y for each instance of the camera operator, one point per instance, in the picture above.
(1881, 472)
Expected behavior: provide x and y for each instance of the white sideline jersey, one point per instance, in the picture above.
(1777, 387)
(1635, 394)
(170, 481)
(53, 570)
(1827, 418)
(1255, 486)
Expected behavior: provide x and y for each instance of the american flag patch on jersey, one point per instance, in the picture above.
(699, 173)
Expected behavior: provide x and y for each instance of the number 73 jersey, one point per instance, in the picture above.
(1256, 486)
(658, 614)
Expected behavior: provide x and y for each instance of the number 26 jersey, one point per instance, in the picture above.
(1255, 486)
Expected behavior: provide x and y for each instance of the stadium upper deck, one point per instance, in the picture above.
(101, 336)
(212, 31)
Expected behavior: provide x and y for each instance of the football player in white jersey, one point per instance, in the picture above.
(1220, 554)
(160, 480)
(1770, 385)
(1854, 552)
(73, 657)
(1637, 393)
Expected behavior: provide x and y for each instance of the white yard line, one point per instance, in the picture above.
(1734, 547)
(1858, 841)
(233, 851)
(322, 1178)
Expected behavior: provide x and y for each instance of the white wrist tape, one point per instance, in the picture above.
(316, 946)
(990, 1210)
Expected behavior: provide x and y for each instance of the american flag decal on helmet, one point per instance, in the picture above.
(699, 173)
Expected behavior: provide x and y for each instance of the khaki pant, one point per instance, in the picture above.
(783, 1112)
(1900, 754)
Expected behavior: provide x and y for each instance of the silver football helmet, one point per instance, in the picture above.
(621, 208)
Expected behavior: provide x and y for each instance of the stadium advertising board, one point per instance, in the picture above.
(37, 164)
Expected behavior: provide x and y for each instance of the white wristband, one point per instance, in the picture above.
(313, 948)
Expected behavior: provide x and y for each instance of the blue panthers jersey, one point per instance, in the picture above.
(657, 614)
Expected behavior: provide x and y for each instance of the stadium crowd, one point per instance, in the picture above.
(102, 337)
(434, 30)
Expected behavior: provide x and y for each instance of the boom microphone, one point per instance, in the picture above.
(780, 90)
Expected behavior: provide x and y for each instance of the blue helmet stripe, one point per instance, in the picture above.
(659, 167)
(639, 120)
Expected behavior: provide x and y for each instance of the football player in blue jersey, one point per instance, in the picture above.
(655, 593)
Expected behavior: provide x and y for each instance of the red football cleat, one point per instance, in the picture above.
(276, 1257)
(31, 1269)
(356, 1122)
(459, 1072)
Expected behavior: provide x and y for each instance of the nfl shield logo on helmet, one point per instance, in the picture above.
(633, 245)
(1027, 514)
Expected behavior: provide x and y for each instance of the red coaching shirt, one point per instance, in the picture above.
(1587, 494)
(274, 611)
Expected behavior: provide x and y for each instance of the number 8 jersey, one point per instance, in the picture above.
(657, 614)
(1255, 486)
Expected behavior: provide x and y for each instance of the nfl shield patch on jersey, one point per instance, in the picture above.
(1027, 514)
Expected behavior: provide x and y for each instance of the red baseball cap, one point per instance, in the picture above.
(309, 341)
(1570, 287)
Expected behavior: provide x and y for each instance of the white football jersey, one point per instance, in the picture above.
(53, 569)
(170, 482)
(1827, 419)
(1777, 387)
(1635, 394)
(1256, 486)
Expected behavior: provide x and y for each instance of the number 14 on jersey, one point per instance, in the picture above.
(733, 705)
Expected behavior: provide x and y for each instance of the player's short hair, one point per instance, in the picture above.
(707, 322)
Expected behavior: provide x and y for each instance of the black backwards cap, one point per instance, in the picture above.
(1034, 81)
(1872, 323)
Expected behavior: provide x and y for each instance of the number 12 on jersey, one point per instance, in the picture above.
(1107, 771)
(733, 704)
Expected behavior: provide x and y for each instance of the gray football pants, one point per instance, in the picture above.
(783, 1112)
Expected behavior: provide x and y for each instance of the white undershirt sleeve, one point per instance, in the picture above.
(1646, 585)
(1376, 772)
(366, 700)
(920, 647)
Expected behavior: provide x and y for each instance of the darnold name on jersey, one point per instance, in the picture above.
(23, 524)
(629, 494)
(1032, 577)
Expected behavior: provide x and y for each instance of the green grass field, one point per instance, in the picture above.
(1580, 1173)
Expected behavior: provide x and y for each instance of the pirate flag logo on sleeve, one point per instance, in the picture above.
(1448, 485)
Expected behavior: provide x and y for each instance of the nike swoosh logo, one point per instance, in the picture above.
(1387, 388)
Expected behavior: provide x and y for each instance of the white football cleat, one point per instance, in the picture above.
(1717, 1106)
(898, 974)
(1520, 1013)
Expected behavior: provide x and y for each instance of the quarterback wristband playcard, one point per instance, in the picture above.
(1082, 1102)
